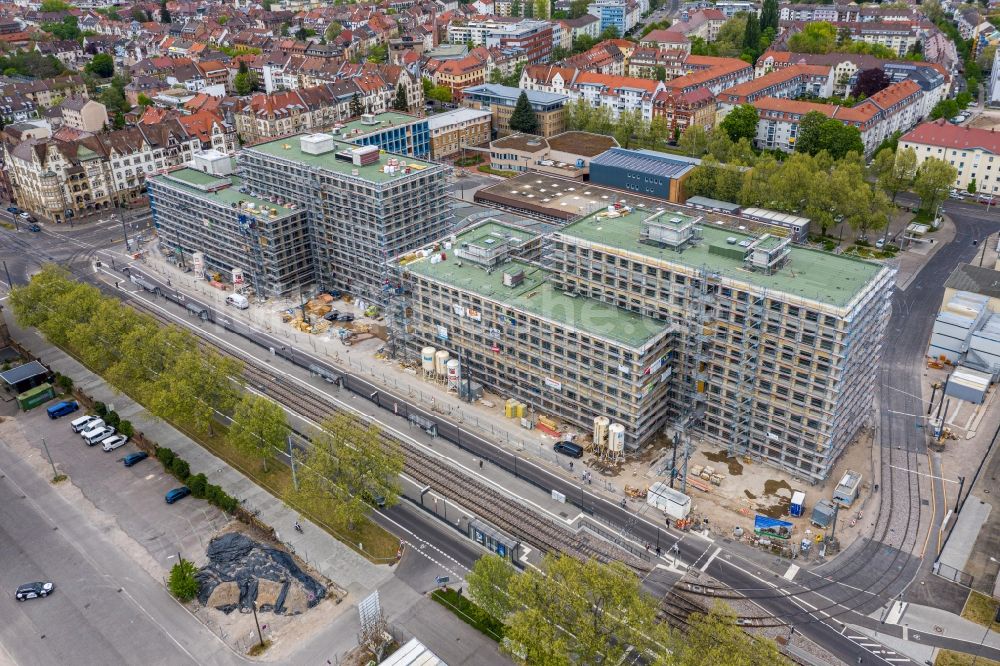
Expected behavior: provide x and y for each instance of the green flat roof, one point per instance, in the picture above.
(812, 274)
(537, 296)
(289, 148)
(195, 182)
(481, 232)
(383, 121)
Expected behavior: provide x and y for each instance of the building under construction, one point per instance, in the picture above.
(364, 206)
(653, 317)
(209, 221)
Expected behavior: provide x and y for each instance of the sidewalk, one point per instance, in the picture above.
(328, 556)
(934, 621)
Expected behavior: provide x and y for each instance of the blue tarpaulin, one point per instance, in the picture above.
(772, 527)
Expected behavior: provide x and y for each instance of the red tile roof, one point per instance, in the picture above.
(943, 134)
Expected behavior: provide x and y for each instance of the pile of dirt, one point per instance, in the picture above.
(241, 571)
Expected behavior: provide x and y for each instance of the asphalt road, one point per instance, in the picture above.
(104, 610)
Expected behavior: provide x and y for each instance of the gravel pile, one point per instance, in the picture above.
(259, 572)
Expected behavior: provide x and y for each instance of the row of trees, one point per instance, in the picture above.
(165, 369)
(630, 129)
(823, 37)
(572, 612)
(824, 187)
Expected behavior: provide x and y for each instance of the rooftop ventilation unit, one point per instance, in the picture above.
(317, 144)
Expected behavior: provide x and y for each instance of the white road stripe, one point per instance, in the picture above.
(792, 570)
(709, 560)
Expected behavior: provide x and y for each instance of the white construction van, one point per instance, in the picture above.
(238, 300)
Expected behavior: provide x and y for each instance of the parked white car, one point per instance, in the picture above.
(83, 423)
(98, 435)
(114, 442)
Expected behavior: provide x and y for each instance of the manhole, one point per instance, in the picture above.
(563, 514)
(938, 629)
(925, 502)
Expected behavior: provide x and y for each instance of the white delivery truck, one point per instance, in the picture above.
(672, 502)
(238, 300)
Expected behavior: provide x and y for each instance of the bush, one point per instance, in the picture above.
(829, 245)
(125, 428)
(165, 456)
(180, 468)
(183, 584)
(112, 419)
(469, 612)
(101, 409)
(198, 484)
(65, 383)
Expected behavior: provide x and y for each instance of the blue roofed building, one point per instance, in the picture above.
(644, 172)
(392, 131)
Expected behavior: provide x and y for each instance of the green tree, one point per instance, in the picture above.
(53, 6)
(694, 141)
(933, 180)
(258, 427)
(541, 9)
(66, 28)
(400, 103)
(348, 466)
(102, 66)
(871, 211)
(192, 389)
(333, 31)
(716, 638)
(971, 187)
(661, 73)
(496, 76)
(222, 20)
(523, 118)
(243, 82)
(489, 585)
(440, 94)
(946, 108)
(144, 100)
(815, 37)
(741, 122)
(769, 15)
(357, 108)
(611, 32)
(751, 34)
(578, 8)
(895, 170)
(304, 33)
(164, 12)
(183, 583)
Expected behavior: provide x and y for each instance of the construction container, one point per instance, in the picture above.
(35, 396)
(716, 479)
(672, 502)
(848, 489)
(798, 504)
(823, 513)
(520, 409)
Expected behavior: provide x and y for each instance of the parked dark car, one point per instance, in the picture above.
(33, 590)
(134, 458)
(35, 228)
(568, 448)
(331, 315)
(13, 209)
(346, 316)
(177, 493)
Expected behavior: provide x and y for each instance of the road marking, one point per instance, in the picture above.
(858, 638)
(896, 612)
(792, 570)
(709, 560)
(896, 659)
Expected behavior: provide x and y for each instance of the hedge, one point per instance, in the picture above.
(469, 612)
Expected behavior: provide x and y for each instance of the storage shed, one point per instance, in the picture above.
(26, 376)
(823, 513)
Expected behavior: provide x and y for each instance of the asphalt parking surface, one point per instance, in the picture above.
(133, 494)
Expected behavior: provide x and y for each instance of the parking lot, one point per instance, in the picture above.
(134, 495)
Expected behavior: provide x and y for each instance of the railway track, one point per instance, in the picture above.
(490, 504)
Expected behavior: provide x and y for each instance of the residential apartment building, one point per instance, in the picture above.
(681, 110)
(48, 92)
(364, 206)
(896, 108)
(622, 15)
(785, 83)
(549, 108)
(712, 73)
(535, 38)
(993, 91)
(704, 24)
(650, 316)
(975, 153)
(615, 93)
(84, 114)
(666, 40)
(59, 179)
(205, 210)
(587, 25)
(458, 74)
(453, 131)
(898, 36)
